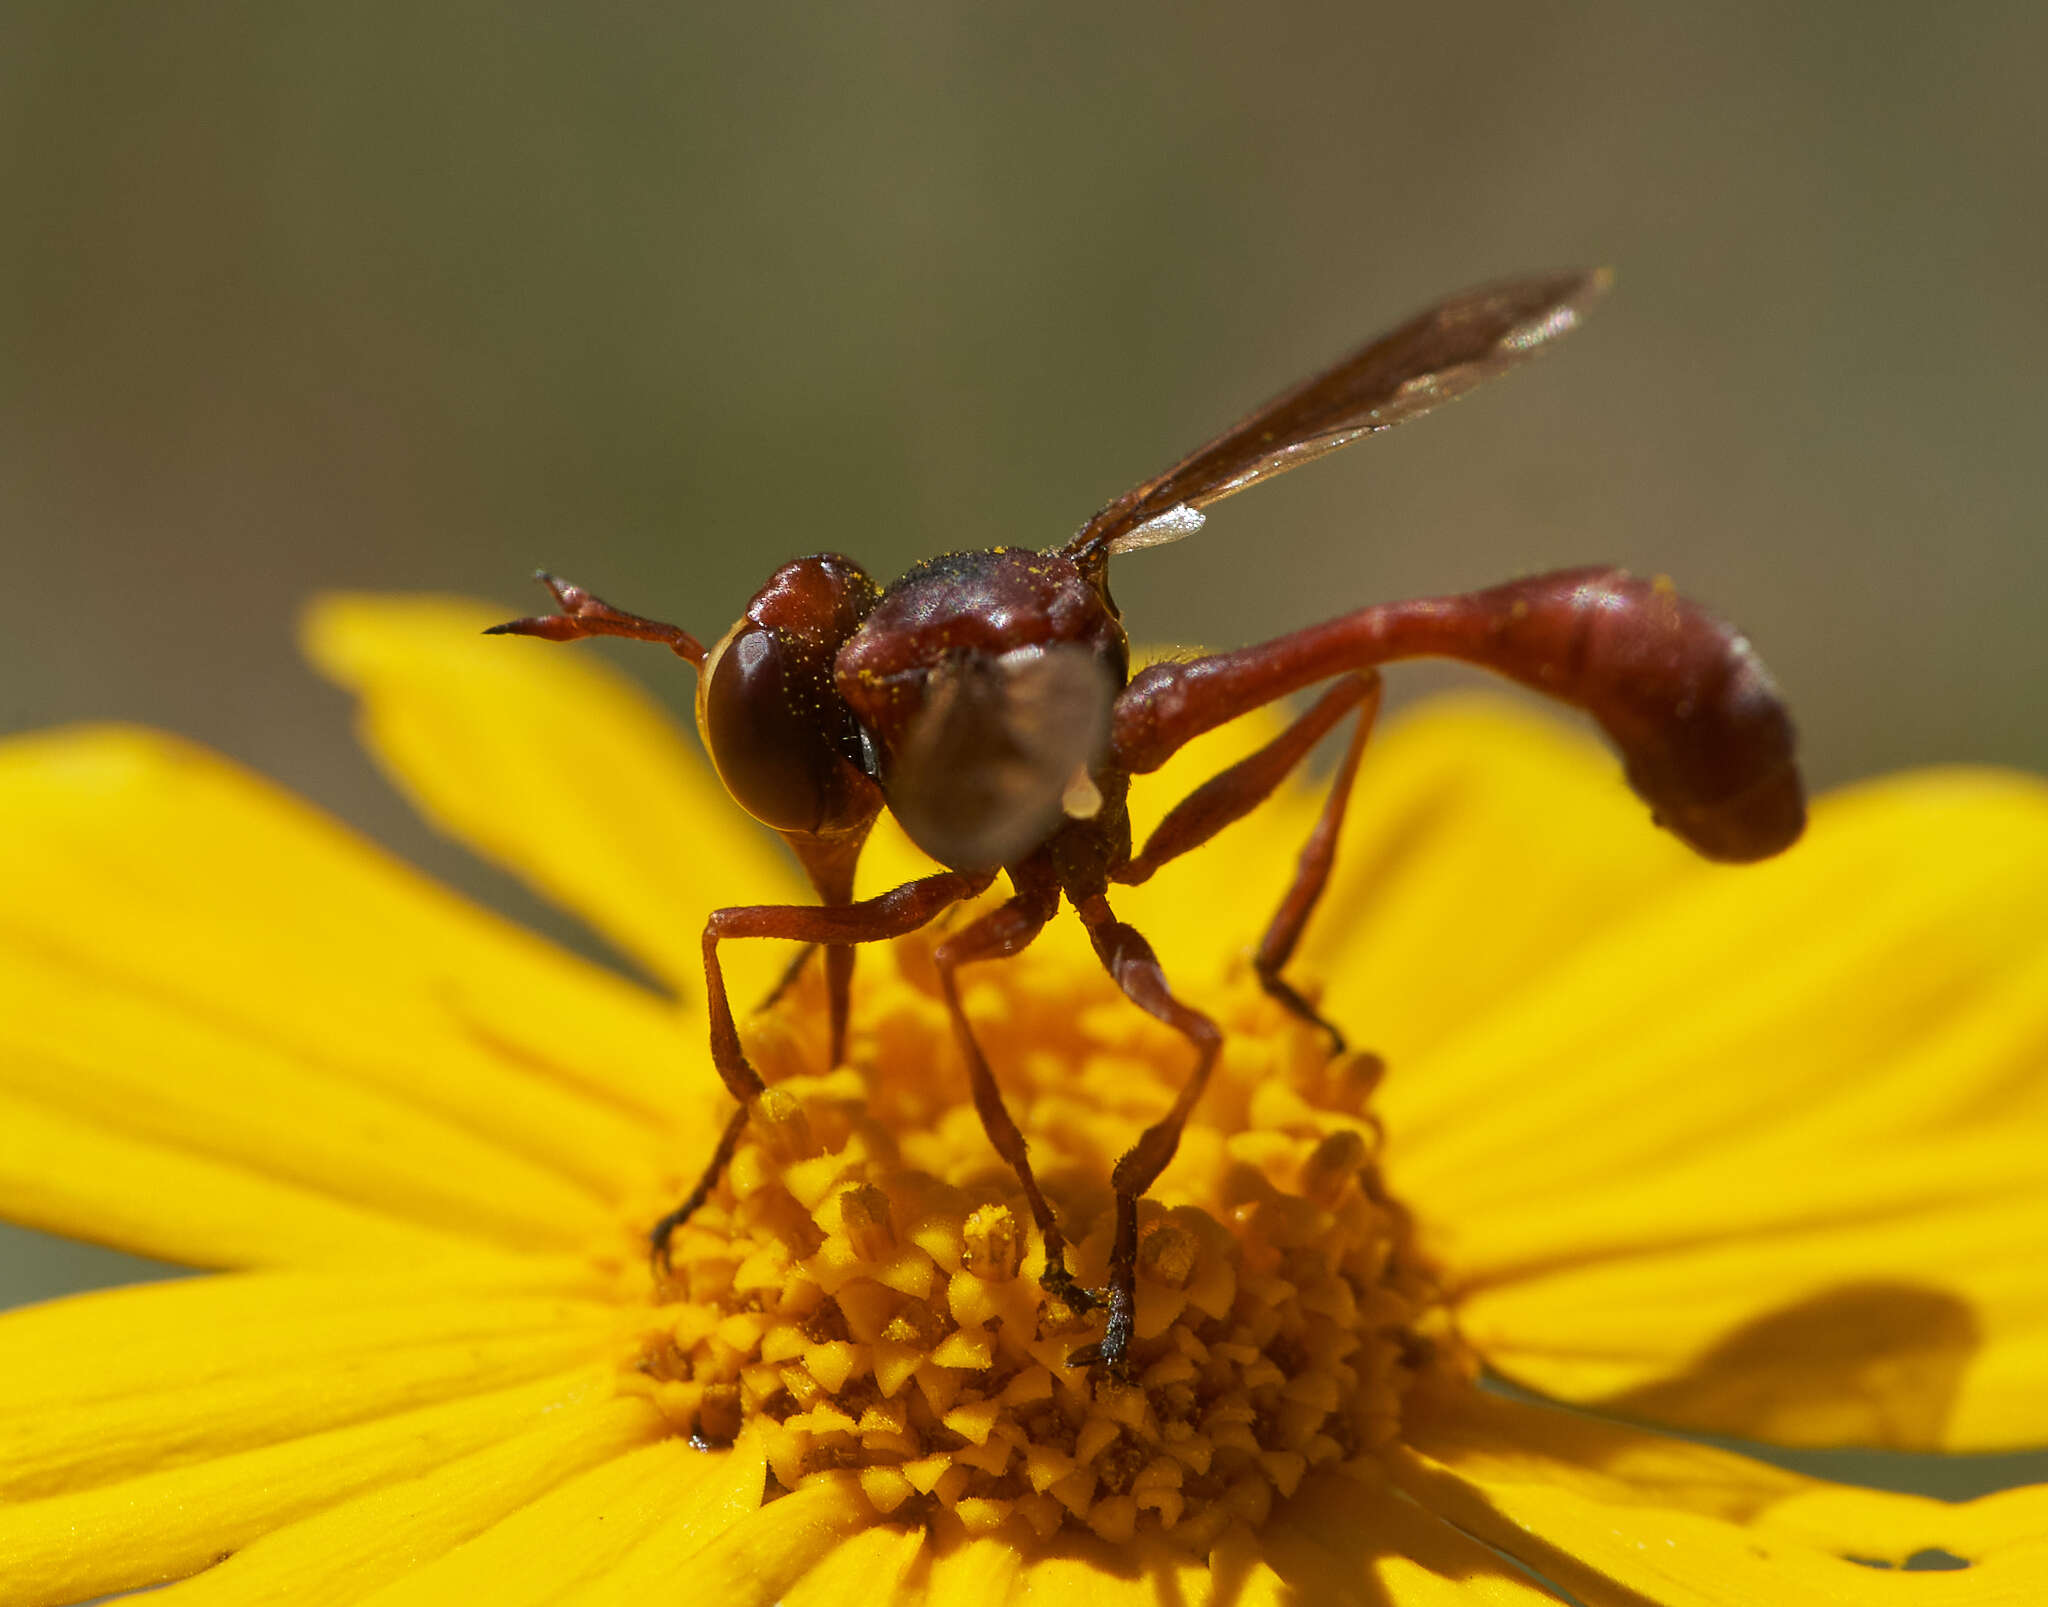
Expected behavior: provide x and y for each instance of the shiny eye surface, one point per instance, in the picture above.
(751, 710)
(784, 744)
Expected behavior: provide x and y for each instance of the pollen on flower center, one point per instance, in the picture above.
(863, 1290)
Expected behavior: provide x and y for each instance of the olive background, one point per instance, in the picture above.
(417, 298)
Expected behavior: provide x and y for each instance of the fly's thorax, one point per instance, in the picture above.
(984, 683)
(985, 603)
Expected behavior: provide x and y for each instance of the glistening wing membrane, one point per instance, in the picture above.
(1435, 356)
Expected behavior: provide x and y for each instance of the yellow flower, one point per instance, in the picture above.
(1750, 1152)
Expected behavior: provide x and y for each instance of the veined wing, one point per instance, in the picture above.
(1437, 355)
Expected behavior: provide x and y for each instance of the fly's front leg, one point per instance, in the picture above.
(1233, 793)
(892, 914)
(1136, 970)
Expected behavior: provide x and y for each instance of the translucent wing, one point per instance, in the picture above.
(982, 774)
(1435, 356)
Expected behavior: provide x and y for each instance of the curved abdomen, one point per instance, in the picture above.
(1704, 737)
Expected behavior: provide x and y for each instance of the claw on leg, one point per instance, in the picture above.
(1112, 1351)
(1129, 960)
(1292, 998)
(1058, 1282)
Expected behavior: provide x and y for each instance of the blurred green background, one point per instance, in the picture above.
(418, 298)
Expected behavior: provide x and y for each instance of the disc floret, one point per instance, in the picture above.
(865, 1291)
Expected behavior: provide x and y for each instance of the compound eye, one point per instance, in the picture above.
(762, 731)
(771, 719)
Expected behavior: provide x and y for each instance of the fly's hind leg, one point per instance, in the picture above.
(1318, 854)
(1234, 793)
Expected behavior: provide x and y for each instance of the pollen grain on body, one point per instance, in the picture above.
(863, 1289)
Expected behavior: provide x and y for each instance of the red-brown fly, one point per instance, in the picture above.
(985, 698)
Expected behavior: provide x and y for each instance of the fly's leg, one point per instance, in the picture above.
(584, 614)
(891, 914)
(1234, 793)
(664, 1230)
(1136, 970)
(1003, 932)
(838, 988)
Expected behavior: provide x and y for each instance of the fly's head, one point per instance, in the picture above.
(784, 742)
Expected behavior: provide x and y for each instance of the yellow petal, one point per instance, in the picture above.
(617, 818)
(109, 1386)
(877, 1561)
(336, 1557)
(1884, 1525)
(1482, 1436)
(573, 1533)
(1080, 1571)
(82, 1348)
(163, 885)
(1764, 1160)
(1604, 1548)
(166, 1525)
(1921, 1329)
(1485, 844)
(649, 1571)
(735, 1554)
(1343, 1541)
(1487, 1440)
(96, 1052)
(1784, 992)
(1079, 1582)
(73, 1178)
(971, 1572)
